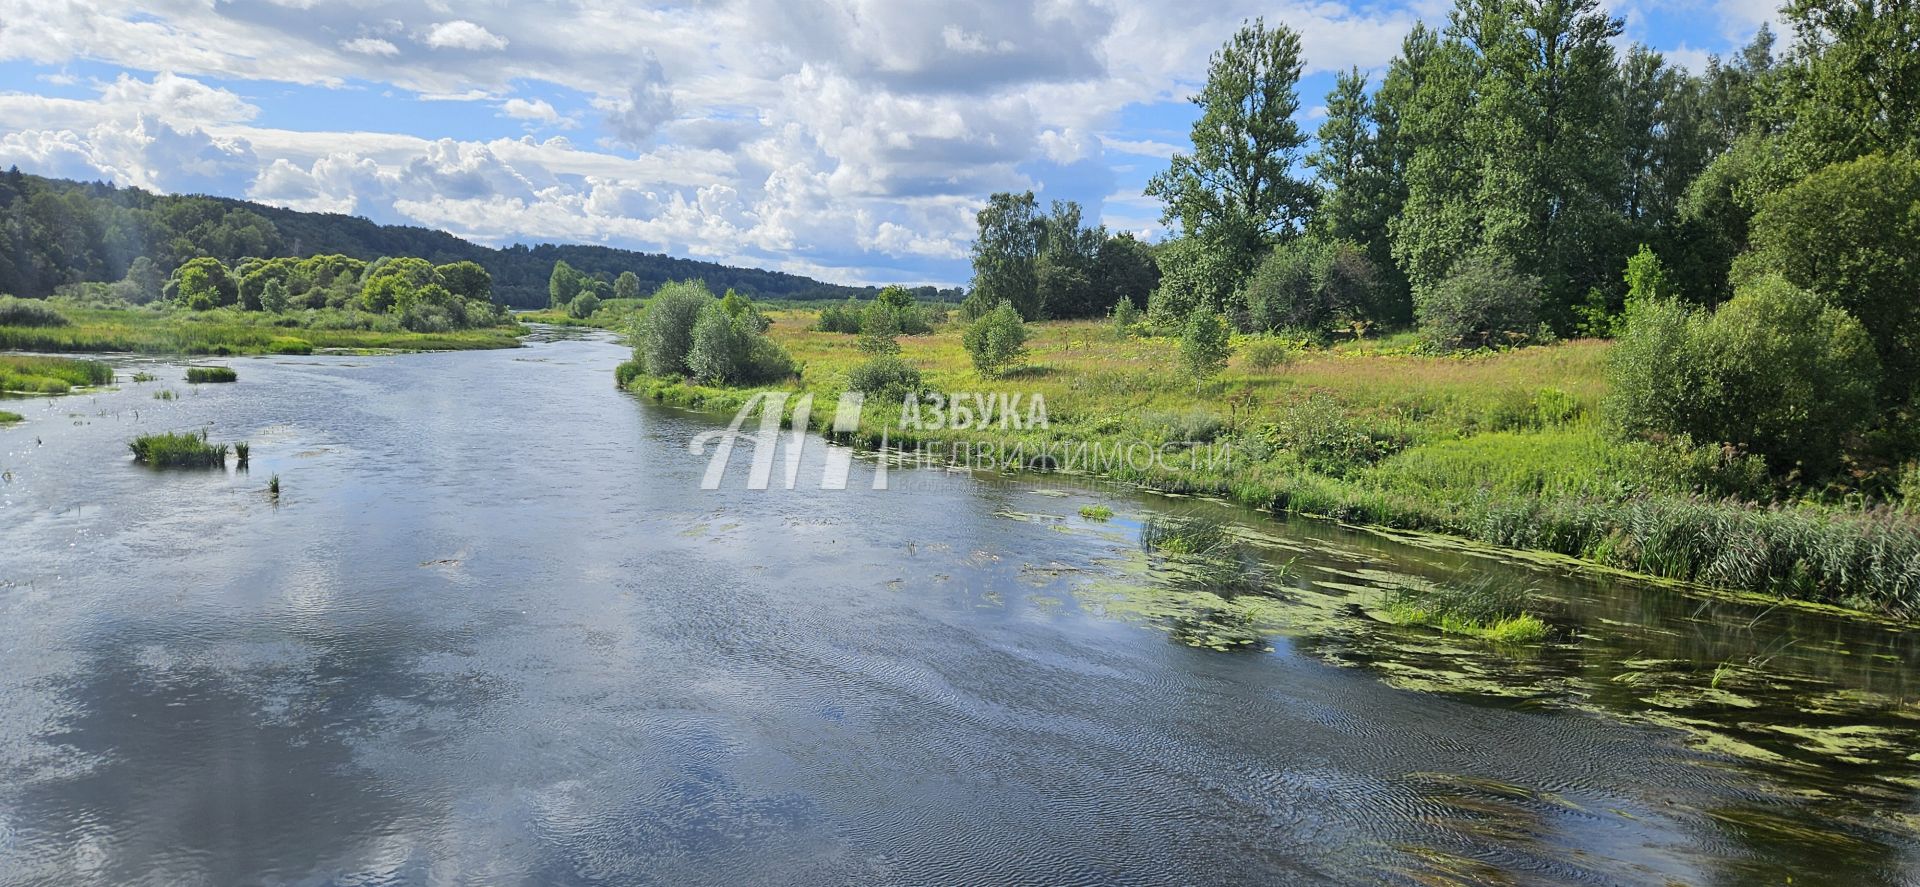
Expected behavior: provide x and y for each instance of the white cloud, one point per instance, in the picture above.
(370, 46)
(463, 34)
(536, 110)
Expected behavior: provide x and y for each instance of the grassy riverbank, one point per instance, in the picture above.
(1504, 448)
(21, 374)
(229, 332)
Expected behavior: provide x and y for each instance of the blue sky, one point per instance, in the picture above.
(850, 140)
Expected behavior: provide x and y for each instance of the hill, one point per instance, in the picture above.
(56, 231)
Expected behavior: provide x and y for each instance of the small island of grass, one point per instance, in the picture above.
(1487, 609)
(50, 375)
(212, 374)
(178, 450)
(7, 418)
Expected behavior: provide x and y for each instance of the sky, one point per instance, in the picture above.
(848, 140)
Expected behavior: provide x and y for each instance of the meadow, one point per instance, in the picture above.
(1502, 447)
(233, 332)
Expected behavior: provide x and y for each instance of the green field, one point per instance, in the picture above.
(1502, 447)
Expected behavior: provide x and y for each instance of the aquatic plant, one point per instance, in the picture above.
(164, 394)
(1487, 607)
(143, 377)
(176, 450)
(273, 488)
(7, 418)
(1182, 535)
(240, 452)
(1095, 512)
(212, 374)
(50, 375)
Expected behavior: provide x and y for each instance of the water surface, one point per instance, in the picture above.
(493, 632)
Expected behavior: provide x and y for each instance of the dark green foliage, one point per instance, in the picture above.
(844, 318)
(1851, 232)
(1004, 256)
(732, 350)
(583, 305)
(626, 372)
(204, 283)
(1312, 284)
(212, 374)
(1485, 303)
(1776, 371)
(996, 340)
(174, 450)
(29, 312)
(466, 279)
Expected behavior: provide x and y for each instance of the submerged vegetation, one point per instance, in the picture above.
(1488, 608)
(178, 450)
(212, 374)
(50, 375)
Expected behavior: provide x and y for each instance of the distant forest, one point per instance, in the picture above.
(55, 232)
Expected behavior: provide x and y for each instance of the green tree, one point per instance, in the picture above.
(1852, 84)
(1124, 270)
(879, 327)
(626, 286)
(273, 297)
(1851, 232)
(1206, 342)
(1003, 257)
(666, 327)
(583, 305)
(717, 344)
(996, 340)
(468, 280)
(1237, 192)
(144, 281)
(205, 283)
(563, 284)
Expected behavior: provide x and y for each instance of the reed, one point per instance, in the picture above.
(212, 374)
(178, 450)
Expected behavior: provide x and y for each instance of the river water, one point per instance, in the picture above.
(492, 631)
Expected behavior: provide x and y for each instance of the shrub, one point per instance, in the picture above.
(29, 312)
(1265, 353)
(626, 372)
(666, 328)
(1850, 232)
(1484, 304)
(1125, 317)
(840, 318)
(731, 350)
(173, 450)
(583, 305)
(1205, 344)
(996, 340)
(1319, 434)
(212, 374)
(1311, 284)
(886, 378)
(879, 327)
(1776, 370)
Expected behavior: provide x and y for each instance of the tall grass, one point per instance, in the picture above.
(7, 418)
(50, 375)
(212, 374)
(1485, 608)
(175, 450)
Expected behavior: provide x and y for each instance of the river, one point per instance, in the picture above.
(492, 631)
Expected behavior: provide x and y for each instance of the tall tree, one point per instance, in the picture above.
(1237, 192)
(1004, 254)
(1853, 82)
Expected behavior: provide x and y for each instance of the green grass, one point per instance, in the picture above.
(165, 394)
(212, 374)
(229, 331)
(175, 450)
(1501, 448)
(143, 377)
(7, 418)
(50, 375)
(1096, 512)
(1486, 608)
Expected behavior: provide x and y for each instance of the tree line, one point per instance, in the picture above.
(55, 233)
(1751, 231)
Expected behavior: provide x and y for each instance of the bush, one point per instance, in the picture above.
(1776, 370)
(583, 306)
(1311, 284)
(1265, 353)
(626, 372)
(1205, 344)
(1851, 232)
(1484, 304)
(731, 350)
(212, 374)
(29, 312)
(1125, 317)
(666, 328)
(996, 340)
(885, 377)
(840, 318)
